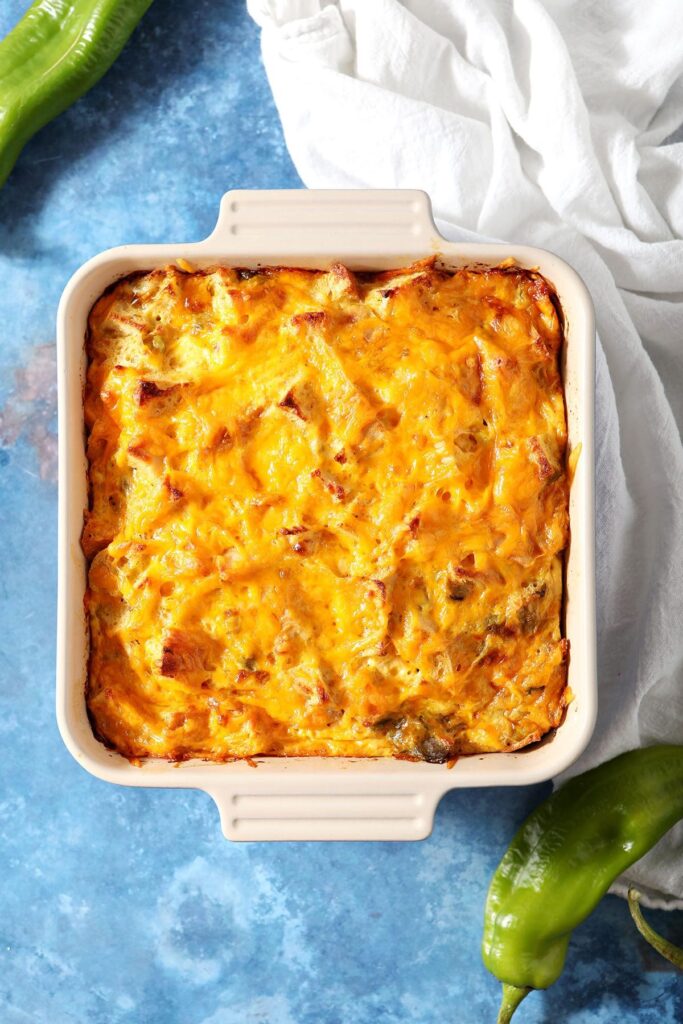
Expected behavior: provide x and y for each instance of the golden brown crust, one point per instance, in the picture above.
(328, 512)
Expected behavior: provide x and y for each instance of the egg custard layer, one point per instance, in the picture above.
(327, 513)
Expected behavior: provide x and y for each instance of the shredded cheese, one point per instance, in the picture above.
(327, 513)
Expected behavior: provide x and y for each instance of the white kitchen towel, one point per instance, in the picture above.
(543, 123)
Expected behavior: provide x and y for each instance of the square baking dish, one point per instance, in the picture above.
(313, 797)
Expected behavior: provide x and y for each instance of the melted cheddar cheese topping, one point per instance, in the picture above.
(327, 512)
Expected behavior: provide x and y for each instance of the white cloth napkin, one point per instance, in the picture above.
(541, 123)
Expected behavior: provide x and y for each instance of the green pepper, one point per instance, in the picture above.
(564, 859)
(58, 50)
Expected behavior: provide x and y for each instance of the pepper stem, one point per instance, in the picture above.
(667, 949)
(512, 997)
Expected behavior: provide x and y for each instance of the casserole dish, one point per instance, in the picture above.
(310, 797)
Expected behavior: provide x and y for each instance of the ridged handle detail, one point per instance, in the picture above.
(332, 815)
(352, 223)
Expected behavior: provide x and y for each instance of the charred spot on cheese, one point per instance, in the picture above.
(290, 402)
(458, 588)
(222, 440)
(492, 657)
(246, 424)
(327, 512)
(159, 401)
(312, 318)
(139, 451)
(466, 442)
(174, 493)
(330, 484)
(148, 389)
(257, 675)
(386, 647)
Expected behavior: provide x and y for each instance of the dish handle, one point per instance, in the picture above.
(296, 225)
(314, 812)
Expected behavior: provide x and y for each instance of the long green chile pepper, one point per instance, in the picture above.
(58, 50)
(564, 859)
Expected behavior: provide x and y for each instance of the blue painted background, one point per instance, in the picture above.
(127, 906)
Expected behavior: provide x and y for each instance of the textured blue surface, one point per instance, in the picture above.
(127, 906)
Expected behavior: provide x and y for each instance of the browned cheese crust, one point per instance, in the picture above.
(327, 513)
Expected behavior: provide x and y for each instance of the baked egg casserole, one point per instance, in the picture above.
(327, 512)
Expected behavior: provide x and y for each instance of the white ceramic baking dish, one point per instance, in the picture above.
(324, 798)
